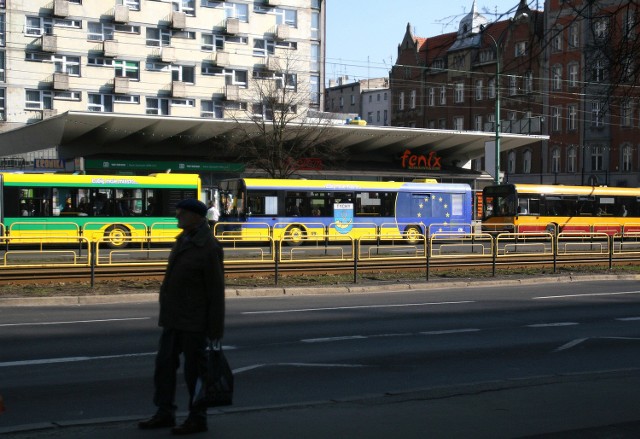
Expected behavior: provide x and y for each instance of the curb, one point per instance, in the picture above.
(138, 297)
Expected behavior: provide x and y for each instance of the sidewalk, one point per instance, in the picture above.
(544, 407)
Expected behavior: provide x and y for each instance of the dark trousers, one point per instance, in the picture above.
(173, 343)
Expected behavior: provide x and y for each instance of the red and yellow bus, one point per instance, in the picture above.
(113, 207)
(523, 208)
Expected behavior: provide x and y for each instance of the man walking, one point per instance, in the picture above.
(191, 311)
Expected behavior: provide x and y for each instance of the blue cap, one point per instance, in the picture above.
(193, 205)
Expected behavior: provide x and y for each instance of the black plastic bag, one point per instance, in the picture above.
(215, 388)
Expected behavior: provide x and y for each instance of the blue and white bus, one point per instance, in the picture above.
(300, 210)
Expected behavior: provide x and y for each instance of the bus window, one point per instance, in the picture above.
(296, 204)
(373, 203)
(262, 203)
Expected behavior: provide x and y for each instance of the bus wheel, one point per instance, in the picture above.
(294, 235)
(117, 236)
(413, 234)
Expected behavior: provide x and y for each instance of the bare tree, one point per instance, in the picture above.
(277, 132)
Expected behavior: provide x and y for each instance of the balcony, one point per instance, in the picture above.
(121, 14)
(220, 58)
(232, 26)
(178, 89)
(232, 92)
(120, 85)
(282, 32)
(49, 43)
(60, 81)
(168, 54)
(178, 20)
(110, 48)
(61, 8)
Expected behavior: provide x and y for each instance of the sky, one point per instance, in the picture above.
(363, 36)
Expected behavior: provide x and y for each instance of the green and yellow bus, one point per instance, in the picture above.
(110, 207)
(524, 208)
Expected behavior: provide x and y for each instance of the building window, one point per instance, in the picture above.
(511, 162)
(573, 75)
(600, 27)
(597, 119)
(572, 159)
(134, 5)
(286, 16)
(492, 88)
(263, 47)
(3, 37)
(315, 57)
(556, 124)
(210, 42)
(627, 157)
(314, 88)
(315, 25)
(237, 10)
(232, 77)
(183, 73)
(124, 99)
(478, 123)
(573, 38)
(401, 101)
(3, 108)
(127, 69)
(157, 106)
(2, 66)
(528, 82)
(626, 113)
(556, 40)
(100, 103)
(370, 117)
(158, 37)
(353, 99)
(186, 6)
(479, 89)
(443, 95)
(459, 92)
(386, 117)
(458, 123)
(556, 74)
(572, 118)
(412, 100)
(526, 162)
(555, 160)
(597, 158)
(432, 97)
(378, 116)
(598, 70)
(521, 48)
(38, 100)
(513, 85)
(97, 31)
(37, 26)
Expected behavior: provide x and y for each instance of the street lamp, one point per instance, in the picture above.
(519, 17)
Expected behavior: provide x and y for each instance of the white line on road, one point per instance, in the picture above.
(450, 331)
(568, 296)
(571, 344)
(338, 308)
(628, 319)
(258, 366)
(74, 322)
(552, 325)
(328, 339)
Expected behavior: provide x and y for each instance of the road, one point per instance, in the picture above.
(75, 363)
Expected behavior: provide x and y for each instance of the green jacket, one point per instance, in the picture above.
(192, 292)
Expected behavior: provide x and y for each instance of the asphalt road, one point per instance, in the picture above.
(95, 361)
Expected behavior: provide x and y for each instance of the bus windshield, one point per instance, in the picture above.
(500, 201)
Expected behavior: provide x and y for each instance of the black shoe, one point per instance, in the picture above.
(157, 421)
(190, 426)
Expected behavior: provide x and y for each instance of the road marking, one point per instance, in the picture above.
(628, 319)
(338, 308)
(450, 331)
(552, 325)
(85, 358)
(74, 322)
(568, 296)
(571, 344)
(329, 339)
(258, 366)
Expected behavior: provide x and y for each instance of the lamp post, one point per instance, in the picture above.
(497, 113)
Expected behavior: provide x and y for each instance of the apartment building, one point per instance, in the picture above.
(569, 72)
(175, 58)
(367, 98)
